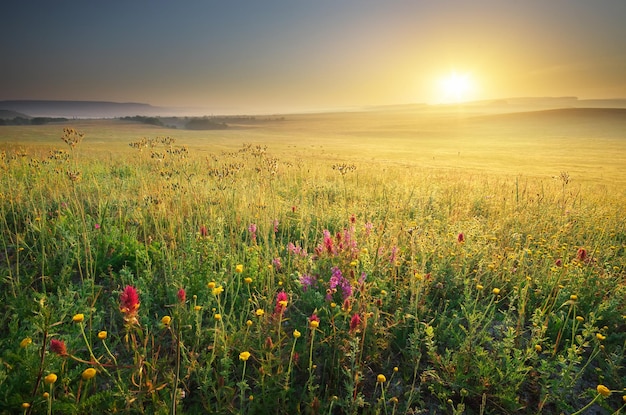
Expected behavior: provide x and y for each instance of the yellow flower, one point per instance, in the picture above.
(381, 378)
(247, 280)
(259, 312)
(600, 337)
(89, 373)
(50, 379)
(573, 297)
(197, 307)
(218, 290)
(25, 342)
(296, 334)
(383, 292)
(78, 318)
(354, 264)
(217, 316)
(239, 269)
(25, 405)
(244, 356)
(603, 390)
(314, 324)
(479, 287)
(166, 320)
(211, 285)
(496, 291)
(538, 348)
(249, 323)
(580, 318)
(395, 369)
(45, 395)
(333, 305)
(102, 335)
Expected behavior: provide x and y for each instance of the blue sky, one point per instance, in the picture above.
(276, 56)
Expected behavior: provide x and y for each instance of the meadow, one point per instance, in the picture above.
(399, 261)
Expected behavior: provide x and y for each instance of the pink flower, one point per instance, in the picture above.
(581, 254)
(96, 226)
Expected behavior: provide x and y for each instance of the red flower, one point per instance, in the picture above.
(460, 237)
(182, 295)
(355, 322)
(129, 304)
(559, 262)
(581, 255)
(281, 302)
(203, 231)
(58, 347)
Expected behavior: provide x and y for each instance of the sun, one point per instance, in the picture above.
(456, 87)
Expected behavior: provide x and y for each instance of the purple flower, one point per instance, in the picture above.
(337, 280)
(307, 281)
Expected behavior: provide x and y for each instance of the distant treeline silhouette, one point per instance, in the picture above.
(30, 121)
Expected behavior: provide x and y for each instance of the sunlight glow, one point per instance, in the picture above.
(456, 87)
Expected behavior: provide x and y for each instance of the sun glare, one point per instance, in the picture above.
(455, 88)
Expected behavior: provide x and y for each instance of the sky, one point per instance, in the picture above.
(265, 56)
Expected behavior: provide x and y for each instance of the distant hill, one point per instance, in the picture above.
(81, 109)
(9, 115)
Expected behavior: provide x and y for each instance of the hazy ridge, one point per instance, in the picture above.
(107, 109)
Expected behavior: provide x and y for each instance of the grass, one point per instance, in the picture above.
(357, 263)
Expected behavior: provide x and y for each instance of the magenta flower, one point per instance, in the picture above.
(281, 303)
(129, 304)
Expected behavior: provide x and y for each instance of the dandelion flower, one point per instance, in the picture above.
(166, 320)
(88, 373)
(247, 280)
(244, 356)
(102, 335)
(496, 291)
(239, 268)
(78, 318)
(25, 342)
(259, 312)
(381, 378)
(50, 379)
(218, 290)
(217, 316)
(603, 390)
